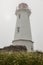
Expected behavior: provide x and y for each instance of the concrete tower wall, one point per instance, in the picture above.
(23, 30)
(23, 23)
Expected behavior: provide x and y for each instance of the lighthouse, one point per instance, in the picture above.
(23, 30)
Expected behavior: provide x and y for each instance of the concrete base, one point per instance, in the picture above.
(27, 43)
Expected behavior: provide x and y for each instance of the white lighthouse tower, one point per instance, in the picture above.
(23, 31)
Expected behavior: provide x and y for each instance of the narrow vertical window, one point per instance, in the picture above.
(19, 16)
(32, 48)
(28, 16)
(18, 29)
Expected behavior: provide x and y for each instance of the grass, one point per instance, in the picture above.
(21, 58)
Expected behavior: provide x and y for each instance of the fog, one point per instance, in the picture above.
(8, 21)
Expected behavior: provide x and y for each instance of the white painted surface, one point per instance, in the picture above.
(24, 28)
(28, 44)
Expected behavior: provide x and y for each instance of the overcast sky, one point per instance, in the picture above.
(8, 21)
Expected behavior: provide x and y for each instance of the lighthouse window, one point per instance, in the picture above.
(18, 29)
(28, 16)
(32, 48)
(19, 16)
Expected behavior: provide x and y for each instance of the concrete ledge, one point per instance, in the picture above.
(22, 40)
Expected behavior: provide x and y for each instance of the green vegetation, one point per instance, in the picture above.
(21, 58)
